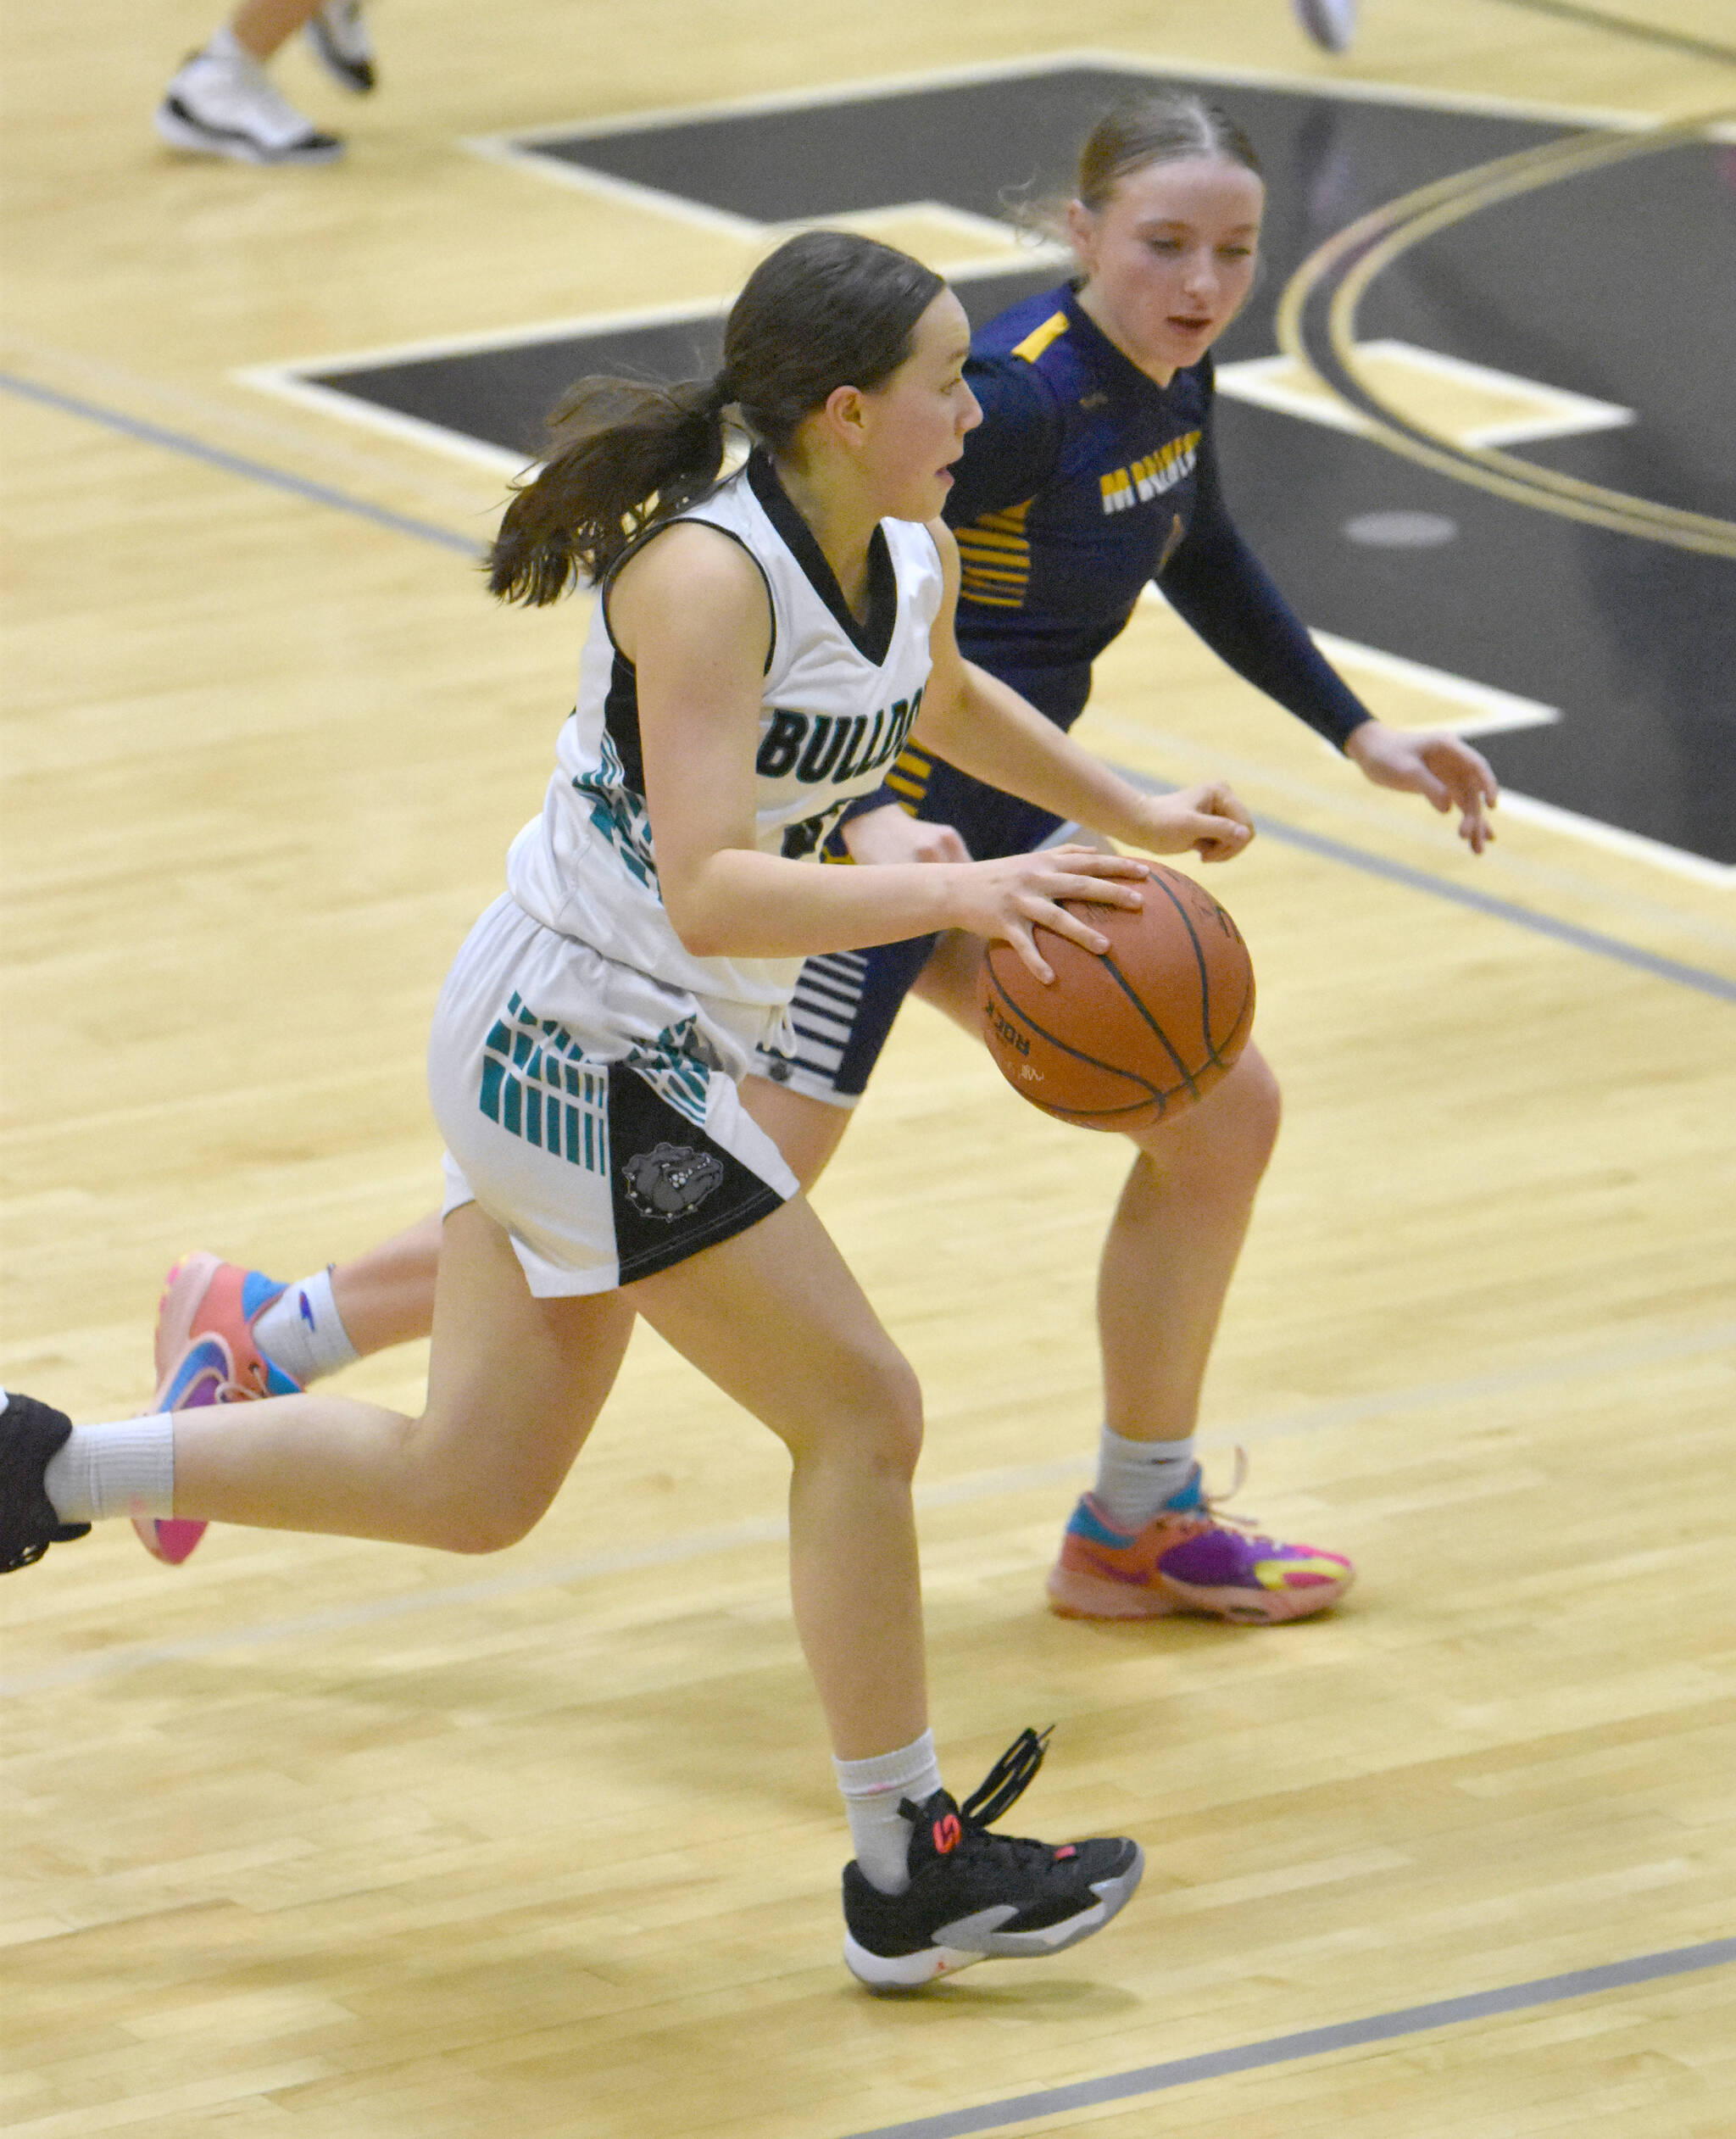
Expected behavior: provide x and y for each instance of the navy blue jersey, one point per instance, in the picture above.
(1084, 480)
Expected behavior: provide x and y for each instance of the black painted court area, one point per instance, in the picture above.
(1614, 284)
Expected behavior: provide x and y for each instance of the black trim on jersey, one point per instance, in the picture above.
(872, 639)
(621, 721)
(620, 704)
(650, 534)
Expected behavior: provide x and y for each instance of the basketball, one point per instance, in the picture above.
(1134, 1037)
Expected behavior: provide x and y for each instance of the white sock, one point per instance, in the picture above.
(302, 1332)
(127, 1469)
(872, 1789)
(1134, 1479)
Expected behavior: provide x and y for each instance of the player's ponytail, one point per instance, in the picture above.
(828, 309)
(622, 453)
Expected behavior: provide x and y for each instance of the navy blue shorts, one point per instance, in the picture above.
(845, 1002)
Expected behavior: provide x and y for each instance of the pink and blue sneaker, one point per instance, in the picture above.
(1185, 1559)
(206, 1353)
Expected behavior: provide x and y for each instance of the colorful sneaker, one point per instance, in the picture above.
(974, 1896)
(341, 45)
(30, 1432)
(1185, 1559)
(206, 1354)
(220, 106)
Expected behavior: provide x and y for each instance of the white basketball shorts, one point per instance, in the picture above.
(592, 1110)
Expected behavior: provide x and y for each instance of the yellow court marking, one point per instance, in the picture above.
(1387, 232)
(1468, 405)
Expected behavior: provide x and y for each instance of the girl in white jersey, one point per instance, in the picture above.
(760, 648)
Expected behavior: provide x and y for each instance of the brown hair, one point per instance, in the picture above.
(828, 309)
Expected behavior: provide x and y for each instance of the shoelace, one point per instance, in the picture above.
(1006, 1782)
(1000, 1789)
(1210, 1507)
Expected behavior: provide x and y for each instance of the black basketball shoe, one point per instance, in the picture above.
(974, 1896)
(30, 1434)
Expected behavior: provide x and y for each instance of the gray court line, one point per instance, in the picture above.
(1313, 2042)
(235, 464)
(1700, 978)
(1566, 931)
(950, 1492)
(1626, 26)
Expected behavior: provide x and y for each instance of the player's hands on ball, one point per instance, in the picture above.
(1008, 900)
(1441, 768)
(1209, 821)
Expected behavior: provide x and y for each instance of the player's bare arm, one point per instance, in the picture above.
(690, 612)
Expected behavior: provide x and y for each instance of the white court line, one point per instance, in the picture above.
(290, 380)
(287, 384)
(1720, 876)
(517, 150)
(1568, 415)
(1491, 711)
(1163, 67)
(510, 150)
(974, 1487)
(1268, 382)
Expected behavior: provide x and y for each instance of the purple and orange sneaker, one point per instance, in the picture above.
(1187, 1560)
(206, 1353)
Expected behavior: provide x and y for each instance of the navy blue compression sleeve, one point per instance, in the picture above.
(1219, 587)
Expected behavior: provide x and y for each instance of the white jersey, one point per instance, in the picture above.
(836, 704)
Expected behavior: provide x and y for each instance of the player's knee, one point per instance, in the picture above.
(874, 1418)
(469, 1510)
(484, 1523)
(901, 1420)
(1262, 1108)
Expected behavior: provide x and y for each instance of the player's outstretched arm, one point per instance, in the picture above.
(1440, 766)
(984, 728)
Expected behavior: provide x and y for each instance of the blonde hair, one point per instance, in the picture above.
(1151, 127)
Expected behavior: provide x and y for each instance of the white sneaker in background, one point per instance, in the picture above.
(339, 36)
(222, 106)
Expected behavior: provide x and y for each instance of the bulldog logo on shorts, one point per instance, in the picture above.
(671, 1180)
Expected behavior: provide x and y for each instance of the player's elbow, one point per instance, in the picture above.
(696, 920)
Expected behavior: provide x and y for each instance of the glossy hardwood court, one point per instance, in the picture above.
(326, 1839)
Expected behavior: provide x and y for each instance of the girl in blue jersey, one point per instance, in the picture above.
(1091, 475)
(588, 1041)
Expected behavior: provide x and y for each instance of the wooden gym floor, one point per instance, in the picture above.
(319, 1838)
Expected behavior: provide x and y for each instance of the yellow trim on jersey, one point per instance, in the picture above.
(910, 776)
(1149, 477)
(994, 555)
(1038, 339)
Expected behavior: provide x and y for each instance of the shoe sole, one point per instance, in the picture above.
(172, 1538)
(911, 1971)
(1076, 1596)
(239, 148)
